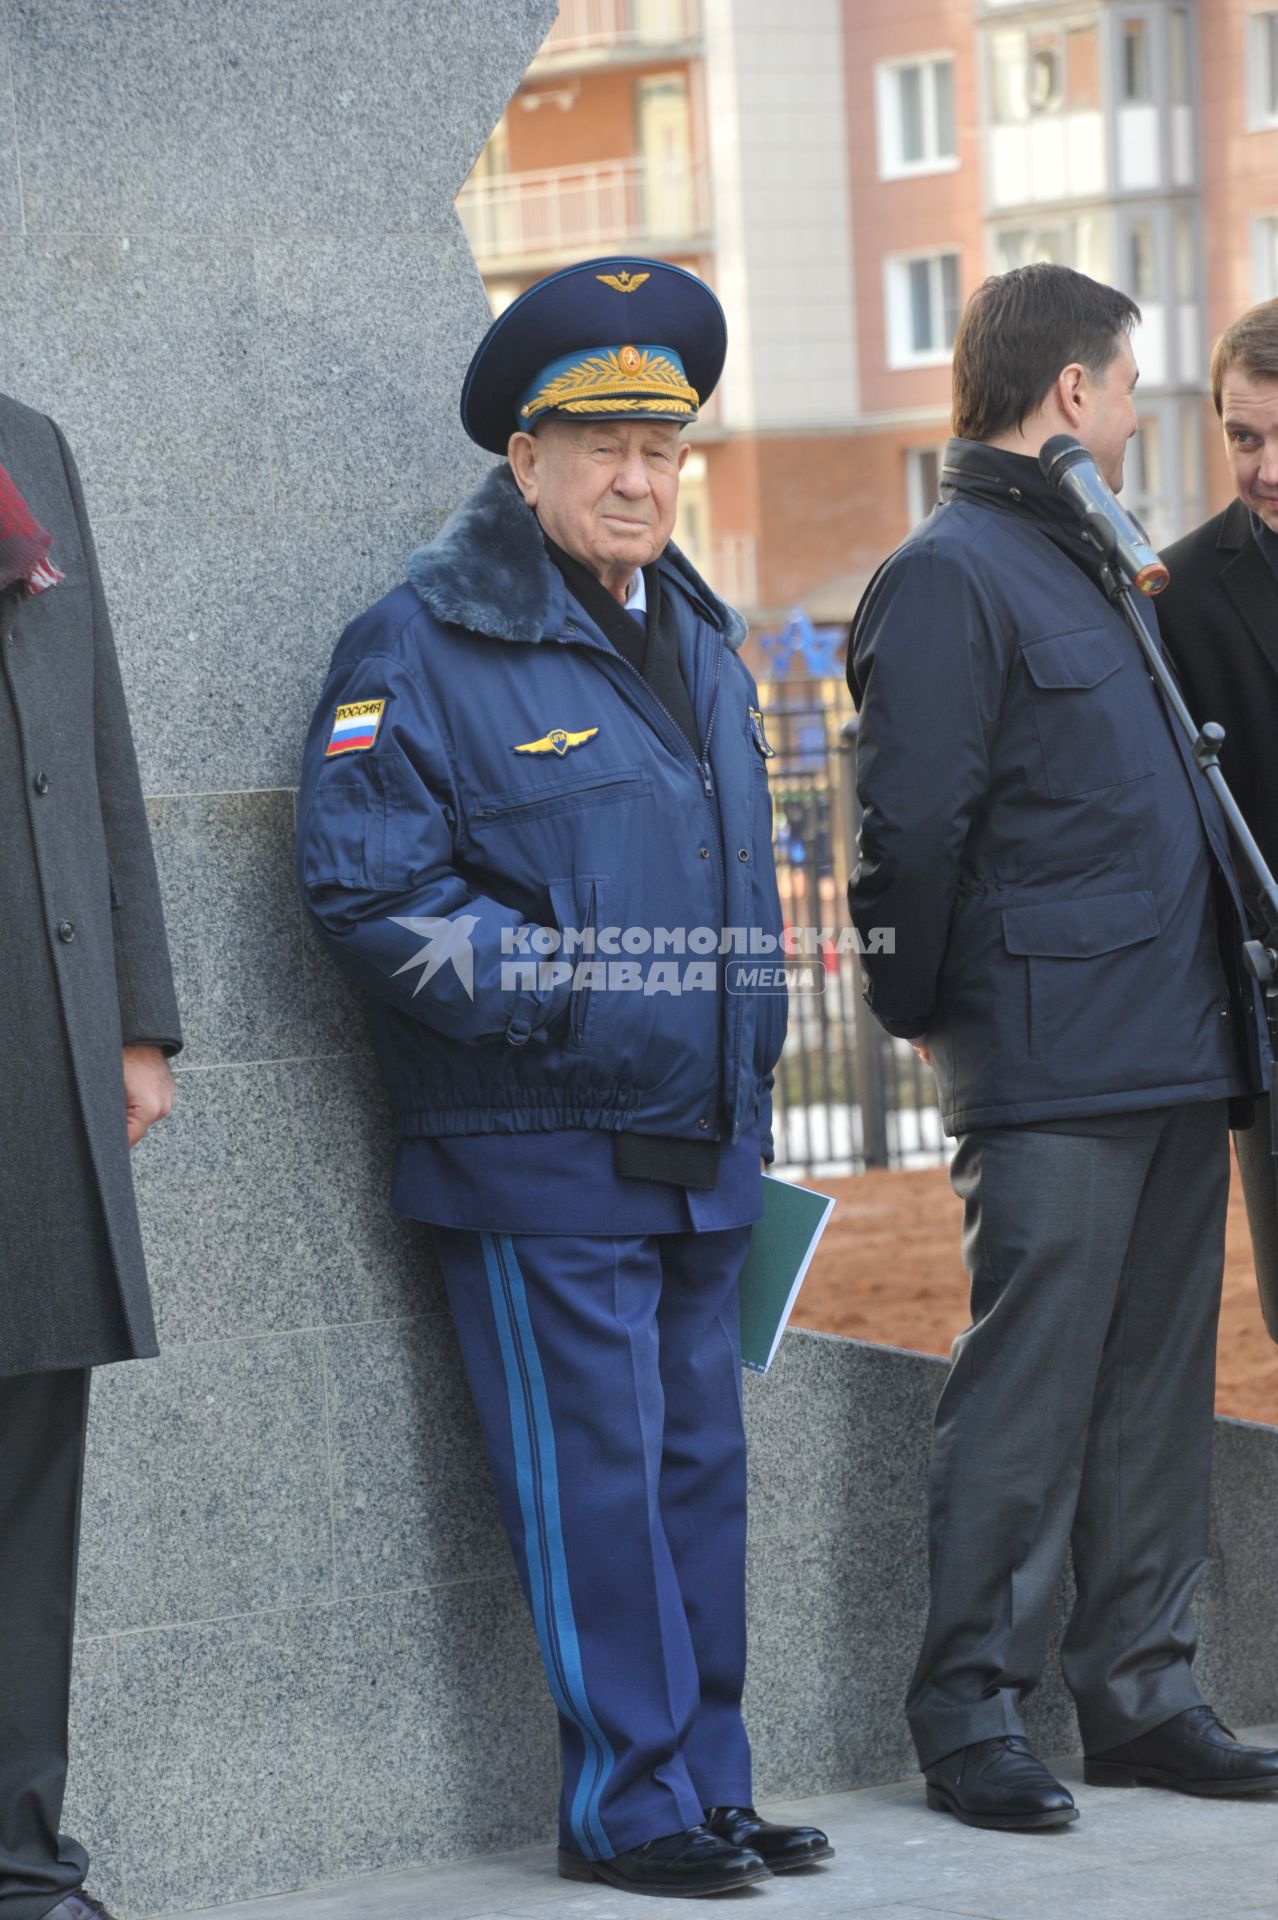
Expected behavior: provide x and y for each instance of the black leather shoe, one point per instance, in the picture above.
(779, 1848)
(79, 1906)
(1192, 1753)
(681, 1866)
(998, 1783)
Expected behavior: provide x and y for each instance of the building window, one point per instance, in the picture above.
(922, 481)
(1136, 82)
(1047, 71)
(1080, 244)
(1263, 67)
(1264, 246)
(1082, 69)
(1178, 51)
(1186, 257)
(923, 309)
(1145, 476)
(916, 116)
(1018, 246)
(1009, 77)
(1142, 278)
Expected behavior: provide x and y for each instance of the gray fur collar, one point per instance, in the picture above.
(487, 569)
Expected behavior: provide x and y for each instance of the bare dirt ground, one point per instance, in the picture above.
(888, 1269)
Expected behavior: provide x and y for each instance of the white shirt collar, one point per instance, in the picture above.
(637, 594)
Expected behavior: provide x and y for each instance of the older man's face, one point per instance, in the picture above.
(1249, 415)
(605, 491)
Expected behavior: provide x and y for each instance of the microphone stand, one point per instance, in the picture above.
(1261, 955)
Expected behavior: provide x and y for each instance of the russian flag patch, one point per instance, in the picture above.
(355, 727)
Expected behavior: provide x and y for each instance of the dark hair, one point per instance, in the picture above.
(1017, 332)
(1251, 344)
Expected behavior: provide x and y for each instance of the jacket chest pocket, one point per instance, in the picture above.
(1090, 731)
(540, 799)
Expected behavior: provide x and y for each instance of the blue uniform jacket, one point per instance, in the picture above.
(608, 825)
(1049, 861)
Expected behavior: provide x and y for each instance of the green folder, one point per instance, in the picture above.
(781, 1247)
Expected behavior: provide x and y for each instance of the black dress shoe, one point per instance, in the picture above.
(682, 1866)
(779, 1848)
(79, 1906)
(998, 1783)
(1192, 1753)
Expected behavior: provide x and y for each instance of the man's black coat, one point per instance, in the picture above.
(83, 960)
(1219, 620)
(1034, 833)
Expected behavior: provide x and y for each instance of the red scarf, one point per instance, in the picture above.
(24, 544)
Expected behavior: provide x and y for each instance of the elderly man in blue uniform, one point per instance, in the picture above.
(537, 766)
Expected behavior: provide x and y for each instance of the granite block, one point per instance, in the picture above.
(835, 1623)
(10, 188)
(224, 629)
(1235, 1605)
(294, 116)
(839, 1430)
(365, 345)
(400, 533)
(264, 1208)
(94, 1782)
(412, 1499)
(207, 1487)
(291, 1748)
(146, 353)
(234, 923)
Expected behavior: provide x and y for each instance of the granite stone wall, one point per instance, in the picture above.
(230, 267)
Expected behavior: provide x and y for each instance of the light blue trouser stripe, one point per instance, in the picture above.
(537, 1478)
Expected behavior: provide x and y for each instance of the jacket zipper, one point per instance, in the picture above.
(707, 783)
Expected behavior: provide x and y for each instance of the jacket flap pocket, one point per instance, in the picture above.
(1081, 659)
(1081, 929)
(553, 791)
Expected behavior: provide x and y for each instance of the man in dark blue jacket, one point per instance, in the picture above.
(1067, 931)
(534, 803)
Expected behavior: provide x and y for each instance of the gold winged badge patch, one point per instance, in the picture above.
(623, 282)
(558, 740)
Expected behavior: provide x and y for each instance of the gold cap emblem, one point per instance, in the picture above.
(623, 282)
(630, 358)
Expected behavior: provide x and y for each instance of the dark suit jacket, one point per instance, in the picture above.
(1219, 619)
(84, 966)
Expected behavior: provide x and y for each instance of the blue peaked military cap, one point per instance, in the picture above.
(615, 339)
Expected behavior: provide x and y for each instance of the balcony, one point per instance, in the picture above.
(529, 222)
(608, 33)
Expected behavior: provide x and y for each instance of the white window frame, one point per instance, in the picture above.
(887, 109)
(916, 507)
(896, 301)
(1262, 82)
(1264, 256)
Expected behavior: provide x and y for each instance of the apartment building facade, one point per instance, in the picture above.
(844, 174)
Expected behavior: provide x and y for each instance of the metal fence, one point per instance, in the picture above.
(847, 1096)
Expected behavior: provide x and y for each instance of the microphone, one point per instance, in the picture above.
(1073, 472)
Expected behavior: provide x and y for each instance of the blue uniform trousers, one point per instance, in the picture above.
(606, 1371)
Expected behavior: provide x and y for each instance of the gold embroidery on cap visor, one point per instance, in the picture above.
(620, 379)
